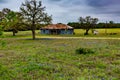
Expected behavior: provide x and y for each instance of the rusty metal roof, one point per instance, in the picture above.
(57, 26)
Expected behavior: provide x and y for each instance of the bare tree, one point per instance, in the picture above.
(33, 13)
(88, 23)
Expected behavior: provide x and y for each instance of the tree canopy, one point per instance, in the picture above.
(88, 23)
(12, 21)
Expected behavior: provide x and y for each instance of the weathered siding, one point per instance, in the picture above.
(62, 31)
(70, 31)
(45, 31)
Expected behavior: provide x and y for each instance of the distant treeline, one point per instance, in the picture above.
(77, 25)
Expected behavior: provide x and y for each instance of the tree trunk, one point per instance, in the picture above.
(13, 33)
(86, 33)
(33, 29)
(33, 34)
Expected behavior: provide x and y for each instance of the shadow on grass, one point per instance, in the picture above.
(42, 39)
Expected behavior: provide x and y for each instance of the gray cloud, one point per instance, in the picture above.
(69, 10)
(2, 1)
(102, 3)
(97, 3)
(55, 0)
(105, 6)
(72, 9)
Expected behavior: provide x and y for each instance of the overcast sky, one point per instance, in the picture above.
(65, 11)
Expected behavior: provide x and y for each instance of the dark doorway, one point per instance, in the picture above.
(55, 31)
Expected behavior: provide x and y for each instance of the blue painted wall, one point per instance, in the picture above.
(45, 32)
(69, 31)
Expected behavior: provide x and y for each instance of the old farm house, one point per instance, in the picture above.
(57, 29)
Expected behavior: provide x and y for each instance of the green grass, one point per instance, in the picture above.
(56, 59)
(78, 33)
(102, 32)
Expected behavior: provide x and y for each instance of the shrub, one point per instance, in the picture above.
(84, 51)
(1, 32)
(3, 43)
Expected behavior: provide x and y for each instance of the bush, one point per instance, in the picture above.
(3, 43)
(84, 51)
(1, 32)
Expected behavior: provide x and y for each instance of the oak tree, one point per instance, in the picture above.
(34, 13)
(88, 23)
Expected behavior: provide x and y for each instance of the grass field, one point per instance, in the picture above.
(101, 31)
(56, 59)
(78, 33)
